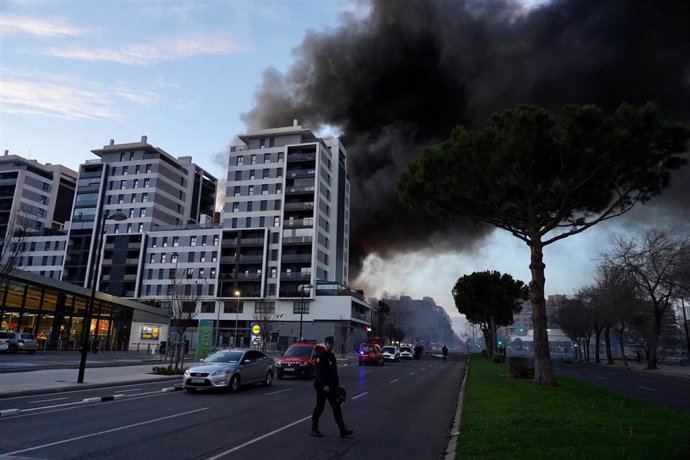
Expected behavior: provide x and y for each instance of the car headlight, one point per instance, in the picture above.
(216, 373)
(186, 372)
(279, 364)
(304, 364)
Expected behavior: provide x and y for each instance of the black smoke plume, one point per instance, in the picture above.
(405, 75)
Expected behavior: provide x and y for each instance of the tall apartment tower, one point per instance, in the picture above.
(37, 198)
(44, 192)
(286, 214)
(152, 188)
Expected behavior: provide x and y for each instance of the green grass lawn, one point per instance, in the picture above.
(504, 418)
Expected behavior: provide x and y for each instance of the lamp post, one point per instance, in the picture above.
(237, 314)
(301, 308)
(86, 329)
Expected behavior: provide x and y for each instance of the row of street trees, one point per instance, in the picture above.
(638, 281)
(544, 178)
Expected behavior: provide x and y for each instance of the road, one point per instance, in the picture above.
(665, 390)
(400, 410)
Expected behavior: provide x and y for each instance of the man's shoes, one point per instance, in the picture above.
(345, 433)
(316, 433)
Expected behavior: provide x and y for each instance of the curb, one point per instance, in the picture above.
(82, 386)
(455, 430)
(101, 399)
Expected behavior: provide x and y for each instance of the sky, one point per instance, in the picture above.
(390, 76)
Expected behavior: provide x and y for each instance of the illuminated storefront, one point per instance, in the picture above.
(54, 312)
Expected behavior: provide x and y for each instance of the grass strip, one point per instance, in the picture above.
(505, 418)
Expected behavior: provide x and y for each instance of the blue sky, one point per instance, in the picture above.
(75, 74)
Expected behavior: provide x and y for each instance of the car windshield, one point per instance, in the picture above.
(367, 348)
(388, 350)
(27, 336)
(224, 357)
(406, 349)
(298, 352)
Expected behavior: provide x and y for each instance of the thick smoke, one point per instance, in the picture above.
(403, 77)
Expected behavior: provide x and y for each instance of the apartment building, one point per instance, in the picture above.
(278, 253)
(36, 198)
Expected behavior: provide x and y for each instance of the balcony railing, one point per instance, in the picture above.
(295, 276)
(241, 259)
(309, 188)
(296, 258)
(297, 240)
(299, 206)
(306, 222)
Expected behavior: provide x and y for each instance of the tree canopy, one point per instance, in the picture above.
(489, 299)
(544, 178)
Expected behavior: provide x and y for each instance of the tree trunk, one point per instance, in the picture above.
(654, 340)
(487, 342)
(492, 326)
(597, 344)
(621, 344)
(607, 337)
(543, 370)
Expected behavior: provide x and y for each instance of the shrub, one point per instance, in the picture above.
(167, 370)
(498, 358)
(520, 367)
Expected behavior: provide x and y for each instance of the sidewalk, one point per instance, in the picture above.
(634, 366)
(58, 372)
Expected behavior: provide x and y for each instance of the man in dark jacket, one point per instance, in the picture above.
(325, 384)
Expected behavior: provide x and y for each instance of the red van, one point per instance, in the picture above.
(370, 353)
(298, 360)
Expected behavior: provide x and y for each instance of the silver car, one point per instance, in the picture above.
(22, 341)
(230, 369)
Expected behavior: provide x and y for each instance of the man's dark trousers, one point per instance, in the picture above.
(321, 397)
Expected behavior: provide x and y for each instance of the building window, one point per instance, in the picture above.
(137, 169)
(141, 228)
(267, 157)
(202, 257)
(212, 275)
(274, 272)
(274, 254)
(280, 172)
(280, 157)
(120, 199)
(142, 212)
(129, 228)
(215, 240)
(163, 257)
(147, 182)
(233, 306)
(262, 221)
(277, 205)
(202, 275)
(131, 212)
(190, 273)
(176, 241)
(264, 189)
(123, 184)
(237, 191)
(276, 221)
(240, 161)
(203, 240)
(136, 183)
(248, 222)
(125, 169)
(122, 157)
(233, 223)
(148, 168)
(252, 174)
(249, 206)
(263, 307)
(214, 256)
(173, 257)
(266, 173)
(253, 160)
(235, 207)
(299, 307)
(190, 257)
(153, 242)
(165, 241)
(238, 175)
(192, 241)
(144, 197)
(279, 189)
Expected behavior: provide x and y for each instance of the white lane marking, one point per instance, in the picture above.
(98, 433)
(360, 395)
(72, 392)
(393, 381)
(222, 454)
(411, 373)
(45, 400)
(74, 403)
(280, 391)
(648, 389)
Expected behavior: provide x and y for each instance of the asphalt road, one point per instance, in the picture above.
(665, 390)
(400, 410)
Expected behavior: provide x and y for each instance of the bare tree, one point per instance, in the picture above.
(574, 321)
(652, 264)
(266, 316)
(13, 244)
(183, 300)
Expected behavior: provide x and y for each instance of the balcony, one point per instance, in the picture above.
(252, 242)
(306, 222)
(241, 276)
(297, 190)
(301, 173)
(295, 276)
(297, 157)
(296, 258)
(294, 240)
(308, 206)
(242, 259)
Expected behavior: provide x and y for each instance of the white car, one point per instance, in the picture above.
(406, 353)
(230, 369)
(4, 339)
(391, 353)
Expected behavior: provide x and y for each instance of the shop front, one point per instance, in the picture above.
(54, 312)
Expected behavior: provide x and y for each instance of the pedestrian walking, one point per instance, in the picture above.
(445, 352)
(326, 385)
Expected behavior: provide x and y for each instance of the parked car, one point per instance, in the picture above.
(406, 353)
(298, 360)
(4, 341)
(22, 341)
(391, 353)
(230, 369)
(370, 353)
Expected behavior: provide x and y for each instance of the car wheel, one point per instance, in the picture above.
(189, 389)
(234, 384)
(268, 379)
(14, 349)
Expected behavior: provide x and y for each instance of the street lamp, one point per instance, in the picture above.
(301, 308)
(86, 329)
(237, 314)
